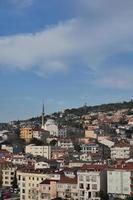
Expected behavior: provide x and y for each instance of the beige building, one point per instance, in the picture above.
(44, 151)
(47, 190)
(26, 133)
(67, 188)
(121, 150)
(8, 176)
(29, 182)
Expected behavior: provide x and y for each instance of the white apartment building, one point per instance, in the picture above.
(107, 142)
(121, 151)
(91, 180)
(41, 165)
(37, 133)
(7, 148)
(89, 148)
(19, 159)
(62, 132)
(8, 176)
(120, 181)
(44, 151)
(65, 143)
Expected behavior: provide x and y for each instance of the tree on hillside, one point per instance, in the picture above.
(36, 142)
(103, 195)
(77, 147)
(53, 142)
(15, 182)
(129, 198)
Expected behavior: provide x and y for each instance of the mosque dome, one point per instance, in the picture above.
(50, 122)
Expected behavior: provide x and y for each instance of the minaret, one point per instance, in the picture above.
(43, 116)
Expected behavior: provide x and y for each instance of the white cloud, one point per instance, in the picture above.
(115, 78)
(89, 40)
(21, 3)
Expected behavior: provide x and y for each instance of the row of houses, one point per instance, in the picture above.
(82, 183)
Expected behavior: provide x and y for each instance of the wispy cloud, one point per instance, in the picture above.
(20, 3)
(89, 40)
(115, 79)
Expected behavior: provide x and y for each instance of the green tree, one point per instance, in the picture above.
(103, 195)
(36, 142)
(53, 142)
(15, 182)
(129, 198)
(77, 147)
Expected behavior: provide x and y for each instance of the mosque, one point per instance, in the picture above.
(50, 125)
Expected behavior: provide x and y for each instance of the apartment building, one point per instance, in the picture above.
(121, 150)
(62, 132)
(90, 148)
(65, 143)
(47, 190)
(120, 181)
(7, 148)
(44, 151)
(67, 188)
(91, 180)
(26, 133)
(29, 182)
(8, 176)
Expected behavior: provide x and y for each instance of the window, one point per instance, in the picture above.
(88, 187)
(93, 178)
(88, 178)
(23, 184)
(81, 178)
(94, 186)
(23, 190)
(81, 185)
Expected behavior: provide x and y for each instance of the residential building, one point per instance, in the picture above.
(7, 148)
(121, 150)
(62, 132)
(47, 190)
(8, 176)
(120, 181)
(29, 182)
(91, 180)
(65, 143)
(67, 188)
(42, 165)
(44, 150)
(90, 148)
(26, 133)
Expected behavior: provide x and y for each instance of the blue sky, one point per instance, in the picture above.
(65, 52)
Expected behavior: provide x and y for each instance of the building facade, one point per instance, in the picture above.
(44, 151)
